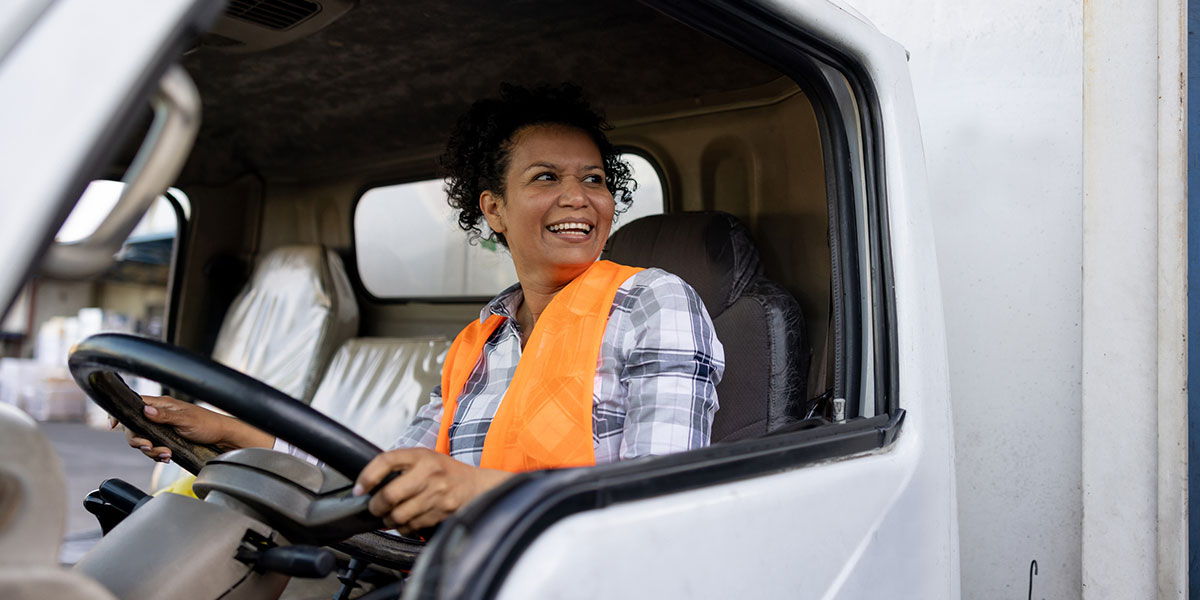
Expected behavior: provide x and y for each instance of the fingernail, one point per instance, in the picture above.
(144, 448)
(164, 456)
(150, 411)
(358, 490)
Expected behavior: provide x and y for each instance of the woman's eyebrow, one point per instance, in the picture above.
(554, 167)
(542, 165)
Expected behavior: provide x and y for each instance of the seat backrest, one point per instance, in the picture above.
(374, 386)
(297, 308)
(758, 322)
(33, 492)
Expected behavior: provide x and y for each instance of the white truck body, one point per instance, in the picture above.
(1055, 137)
(1053, 347)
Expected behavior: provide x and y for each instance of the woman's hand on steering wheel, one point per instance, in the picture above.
(430, 487)
(196, 424)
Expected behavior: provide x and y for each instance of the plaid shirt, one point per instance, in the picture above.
(656, 377)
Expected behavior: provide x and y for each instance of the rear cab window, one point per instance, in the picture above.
(408, 245)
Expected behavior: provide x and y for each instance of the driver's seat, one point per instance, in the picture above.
(758, 322)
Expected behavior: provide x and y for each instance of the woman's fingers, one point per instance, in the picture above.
(383, 465)
(159, 409)
(143, 445)
(165, 409)
(193, 423)
(398, 499)
(429, 488)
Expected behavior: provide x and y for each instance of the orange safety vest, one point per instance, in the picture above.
(545, 418)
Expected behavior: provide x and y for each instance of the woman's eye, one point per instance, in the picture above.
(544, 177)
(594, 179)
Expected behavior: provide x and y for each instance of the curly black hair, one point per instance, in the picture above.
(477, 153)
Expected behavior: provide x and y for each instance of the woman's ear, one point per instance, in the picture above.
(492, 206)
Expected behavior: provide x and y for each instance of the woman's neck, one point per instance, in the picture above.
(538, 289)
(534, 303)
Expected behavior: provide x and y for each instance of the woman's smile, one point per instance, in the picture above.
(556, 211)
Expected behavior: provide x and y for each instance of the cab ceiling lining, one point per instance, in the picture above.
(388, 79)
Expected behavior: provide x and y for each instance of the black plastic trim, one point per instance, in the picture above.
(793, 52)
(175, 276)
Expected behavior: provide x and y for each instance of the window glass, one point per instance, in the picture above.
(98, 200)
(648, 197)
(408, 244)
(53, 314)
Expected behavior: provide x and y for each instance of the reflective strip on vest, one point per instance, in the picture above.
(545, 418)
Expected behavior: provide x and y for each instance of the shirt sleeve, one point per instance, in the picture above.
(423, 431)
(673, 364)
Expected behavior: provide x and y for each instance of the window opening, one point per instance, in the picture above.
(407, 242)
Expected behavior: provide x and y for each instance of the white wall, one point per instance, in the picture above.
(999, 91)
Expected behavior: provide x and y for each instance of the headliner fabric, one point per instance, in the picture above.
(757, 320)
(389, 79)
(294, 312)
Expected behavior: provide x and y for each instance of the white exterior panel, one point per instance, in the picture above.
(1054, 136)
(846, 529)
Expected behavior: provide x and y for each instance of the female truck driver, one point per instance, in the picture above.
(580, 362)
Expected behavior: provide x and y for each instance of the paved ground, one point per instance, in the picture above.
(89, 457)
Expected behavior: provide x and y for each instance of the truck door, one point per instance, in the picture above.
(75, 77)
(862, 506)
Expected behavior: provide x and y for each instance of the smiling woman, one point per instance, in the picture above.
(581, 362)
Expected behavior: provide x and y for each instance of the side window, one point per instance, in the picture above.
(408, 245)
(649, 198)
(52, 314)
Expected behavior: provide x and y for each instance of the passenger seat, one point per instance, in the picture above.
(374, 386)
(295, 311)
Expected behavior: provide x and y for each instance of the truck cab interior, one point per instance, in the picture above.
(294, 136)
(757, 138)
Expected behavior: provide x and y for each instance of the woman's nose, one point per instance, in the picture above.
(573, 193)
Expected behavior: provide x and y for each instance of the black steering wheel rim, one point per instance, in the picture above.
(95, 361)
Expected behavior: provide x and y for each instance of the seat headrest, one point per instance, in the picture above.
(712, 251)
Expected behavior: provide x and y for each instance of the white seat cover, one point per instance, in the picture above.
(294, 312)
(374, 386)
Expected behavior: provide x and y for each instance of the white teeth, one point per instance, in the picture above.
(581, 227)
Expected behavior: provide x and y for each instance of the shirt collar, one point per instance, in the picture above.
(504, 304)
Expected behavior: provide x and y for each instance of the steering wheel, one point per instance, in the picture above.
(95, 360)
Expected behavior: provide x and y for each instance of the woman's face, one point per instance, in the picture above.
(556, 211)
